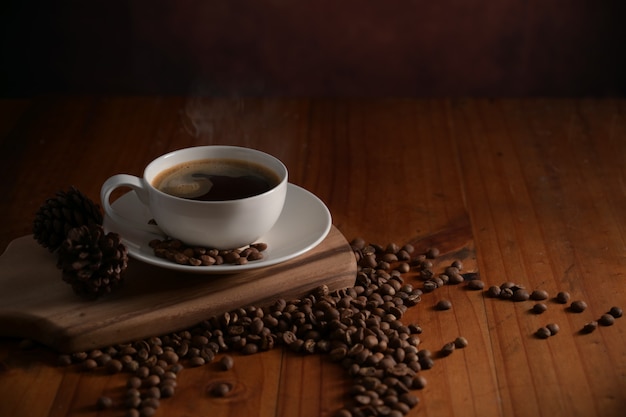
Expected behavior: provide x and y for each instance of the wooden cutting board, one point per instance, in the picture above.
(35, 303)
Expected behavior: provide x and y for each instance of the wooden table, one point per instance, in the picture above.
(535, 189)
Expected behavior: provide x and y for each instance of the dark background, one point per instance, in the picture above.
(314, 48)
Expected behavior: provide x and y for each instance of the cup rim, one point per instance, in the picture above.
(283, 175)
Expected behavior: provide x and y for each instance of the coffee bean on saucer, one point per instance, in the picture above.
(176, 251)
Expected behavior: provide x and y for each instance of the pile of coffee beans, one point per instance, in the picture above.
(176, 251)
(360, 328)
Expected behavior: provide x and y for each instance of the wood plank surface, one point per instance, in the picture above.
(526, 191)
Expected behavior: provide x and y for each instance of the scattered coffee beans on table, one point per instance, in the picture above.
(360, 328)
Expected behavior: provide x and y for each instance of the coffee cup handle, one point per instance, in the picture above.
(125, 180)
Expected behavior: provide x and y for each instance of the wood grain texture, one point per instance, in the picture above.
(528, 191)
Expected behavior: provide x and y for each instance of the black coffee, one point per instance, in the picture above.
(216, 179)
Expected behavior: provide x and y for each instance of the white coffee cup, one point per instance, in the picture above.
(224, 224)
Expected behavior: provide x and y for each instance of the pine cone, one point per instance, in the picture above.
(61, 213)
(93, 262)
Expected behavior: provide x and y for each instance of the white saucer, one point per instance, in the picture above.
(303, 224)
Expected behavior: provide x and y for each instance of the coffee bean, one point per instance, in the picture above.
(520, 295)
(430, 286)
(616, 312)
(177, 368)
(153, 392)
(197, 361)
(132, 412)
(432, 253)
(133, 382)
(151, 381)
(147, 411)
(452, 270)
(457, 264)
(167, 391)
(409, 399)
(426, 362)
(226, 362)
(553, 328)
(260, 246)
(104, 402)
(114, 366)
(475, 284)
(64, 360)
(249, 349)
(150, 402)
(590, 327)
(562, 297)
(606, 320)
(543, 333)
(168, 375)
(221, 390)
(89, 364)
(133, 392)
(443, 305)
(133, 402)
(539, 308)
(170, 357)
(455, 278)
(539, 295)
(143, 372)
(494, 291)
(419, 382)
(506, 294)
(578, 306)
(448, 348)
(460, 342)
(389, 257)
